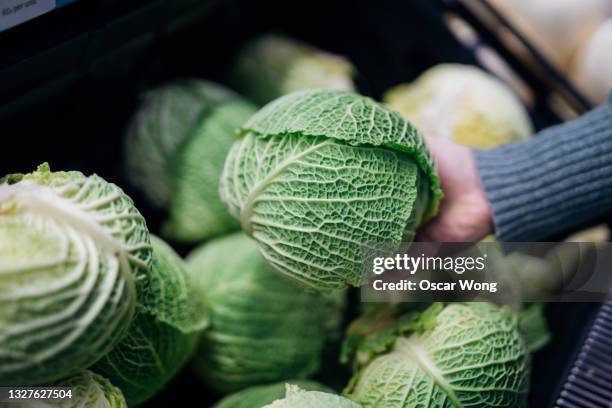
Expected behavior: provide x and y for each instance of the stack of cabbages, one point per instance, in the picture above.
(284, 198)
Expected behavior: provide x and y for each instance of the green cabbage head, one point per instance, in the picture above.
(459, 355)
(263, 328)
(318, 174)
(260, 395)
(175, 148)
(272, 66)
(462, 103)
(298, 398)
(74, 259)
(89, 390)
(164, 333)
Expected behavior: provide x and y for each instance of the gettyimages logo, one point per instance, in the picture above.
(509, 273)
(412, 264)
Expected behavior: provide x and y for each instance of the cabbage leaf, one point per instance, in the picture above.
(458, 355)
(74, 259)
(88, 390)
(163, 334)
(263, 328)
(316, 175)
(260, 395)
(298, 398)
(462, 103)
(272, 66)
(91, 390)
(175, 148)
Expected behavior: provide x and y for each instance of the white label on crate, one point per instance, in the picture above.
(14, 12)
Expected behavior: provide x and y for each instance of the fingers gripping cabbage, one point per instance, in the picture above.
(74, 259)
(298, 398)
(263, 328)
(461, 355)
(164, 333)
(317, 174)
(175, 148)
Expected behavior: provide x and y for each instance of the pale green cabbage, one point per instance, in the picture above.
(464, 104)
(533, 326)
(260, 395)
(316, 175)
(262, 328)
(459, 355)
(272, 66)
(175, 148)
(74, 259)
(298, 398)
(92, 390)
(89, 390)
(164, 332)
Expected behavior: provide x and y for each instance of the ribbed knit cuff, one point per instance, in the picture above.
(560, 179)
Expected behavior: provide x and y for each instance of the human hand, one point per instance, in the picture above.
(464, 214)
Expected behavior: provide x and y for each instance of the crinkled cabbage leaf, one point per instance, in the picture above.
(317, 175)
(175, 148)
(260, 395)
(74, 258)
(164, 333)
(458, 355)
(92, 390)
(88, 390)
(298, 398)
(263, 328)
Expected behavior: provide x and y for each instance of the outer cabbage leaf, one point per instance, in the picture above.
(74, 257)
(533, 326)
(461, 355)
(373, 332)
(262, 328)
(89, 390)
(298, 398)
(272, 66)
(260, 395)
(464, 104)
(164, 333)
(175, 148)
(318, 174)
(92, 390)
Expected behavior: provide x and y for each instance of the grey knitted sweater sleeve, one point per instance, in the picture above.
(559, 180)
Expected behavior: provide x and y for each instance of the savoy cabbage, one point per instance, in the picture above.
(90, 390)
(175, 148)
(263, 328)
(455, 355)
(462, 103)
(272, 65)
(318, 174)
(163, 334)
(74, 260)
(260, 395)
(298, 398)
